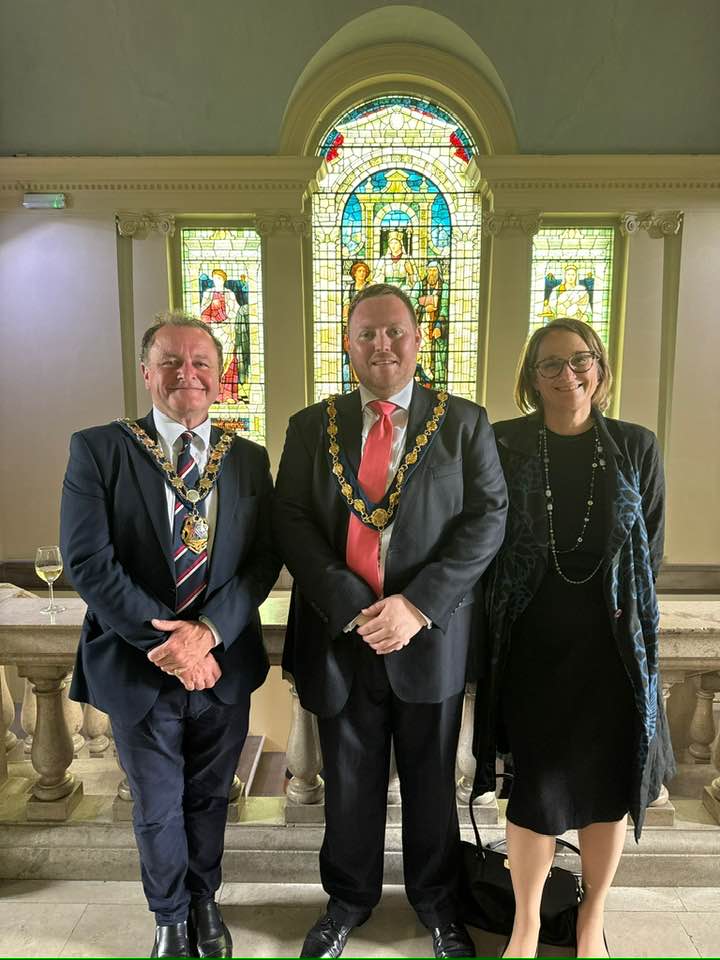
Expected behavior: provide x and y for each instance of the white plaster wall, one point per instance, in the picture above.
(693, 462)
(59, 363)
(641, 359)
(150, 296)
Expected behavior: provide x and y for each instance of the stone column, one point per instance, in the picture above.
(28, 716)
(711, 793)
(508, 239)
(306, 789)
(285, 238)
(8, 713)
(702, 725)
(56, 793)
(96, 726)
(485, 806)
(661, 812)
(73, 717)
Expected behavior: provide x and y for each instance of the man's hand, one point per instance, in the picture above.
(392, 622)
(204, 675)
(188, 643)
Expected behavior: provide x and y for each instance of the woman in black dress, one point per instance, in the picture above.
(571, 685)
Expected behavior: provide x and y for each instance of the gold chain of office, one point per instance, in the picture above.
(193, 495)
(380, 517)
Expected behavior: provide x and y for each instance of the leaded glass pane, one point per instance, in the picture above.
(222, 284)
(572, 272)
(395, 207)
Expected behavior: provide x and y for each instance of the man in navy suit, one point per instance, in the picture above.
(165, 532)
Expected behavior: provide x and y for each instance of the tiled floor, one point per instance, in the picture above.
(104, 919)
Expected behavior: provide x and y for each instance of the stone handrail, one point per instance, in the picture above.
(43, 649)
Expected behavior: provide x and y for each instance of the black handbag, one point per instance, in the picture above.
(488, 901)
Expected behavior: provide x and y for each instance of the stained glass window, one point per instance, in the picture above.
(222, 284)
(572, 274)
(396, 207)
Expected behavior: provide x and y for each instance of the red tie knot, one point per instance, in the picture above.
(383, 408)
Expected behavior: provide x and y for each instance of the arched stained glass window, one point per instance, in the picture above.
(221, 272)
(396, 207)
(572, 276)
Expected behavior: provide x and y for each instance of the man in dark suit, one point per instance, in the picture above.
(165, 532)
(390, 502)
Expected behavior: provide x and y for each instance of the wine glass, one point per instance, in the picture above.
(48, 566)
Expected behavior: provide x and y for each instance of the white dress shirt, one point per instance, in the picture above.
(169, 433)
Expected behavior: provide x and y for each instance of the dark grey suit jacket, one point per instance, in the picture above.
(449, 525)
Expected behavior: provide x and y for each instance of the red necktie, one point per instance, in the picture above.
(363, 542)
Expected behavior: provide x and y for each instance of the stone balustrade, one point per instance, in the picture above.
(43, 648)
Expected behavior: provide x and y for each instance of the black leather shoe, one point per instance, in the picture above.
(452, 940)
(171, 940)
(208, 932)
(327, 938)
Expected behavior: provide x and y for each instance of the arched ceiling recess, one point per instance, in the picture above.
(400, 49)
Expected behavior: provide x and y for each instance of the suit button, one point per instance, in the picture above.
(618, 613)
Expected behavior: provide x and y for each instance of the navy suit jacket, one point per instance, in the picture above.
(448, 526)
(116, 543)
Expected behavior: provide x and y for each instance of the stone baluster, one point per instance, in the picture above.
(56, 792)
(702, 725)
(662, 803)
(485, 806)
(711, 793)
(304, 760)
(96, 726)
(73, 717)
(8, 712)
(28, 716)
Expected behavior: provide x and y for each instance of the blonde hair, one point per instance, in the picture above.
(526, 395)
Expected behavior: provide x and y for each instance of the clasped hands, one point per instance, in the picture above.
(186, 653)
(390, 623)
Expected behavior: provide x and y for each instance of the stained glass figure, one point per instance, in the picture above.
(396, 207)
(572, 272)
(222, 284)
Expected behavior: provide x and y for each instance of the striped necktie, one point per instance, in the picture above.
(190, 568)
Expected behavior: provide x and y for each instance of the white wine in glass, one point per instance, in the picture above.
(49, 566)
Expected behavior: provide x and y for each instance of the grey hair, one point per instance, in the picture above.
(176, 318)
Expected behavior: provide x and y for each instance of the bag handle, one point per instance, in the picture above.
(498, 843)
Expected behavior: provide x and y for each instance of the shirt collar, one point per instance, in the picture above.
(401, 399)
(170, 430)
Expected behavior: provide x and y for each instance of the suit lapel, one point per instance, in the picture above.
(226, 493)
(152, 488)
(349, 416)
(420, 411)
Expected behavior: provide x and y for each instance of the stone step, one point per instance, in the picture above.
(260, 847)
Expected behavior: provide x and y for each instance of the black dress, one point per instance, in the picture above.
(567, 701)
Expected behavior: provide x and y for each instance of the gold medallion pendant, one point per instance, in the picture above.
(194, 533)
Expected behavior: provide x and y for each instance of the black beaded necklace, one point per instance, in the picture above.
(598, 462)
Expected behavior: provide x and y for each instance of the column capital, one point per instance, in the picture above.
(139, 225)
(665, 223)
(498, 221)
(267, 224)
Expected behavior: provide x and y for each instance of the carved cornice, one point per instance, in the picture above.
(497, 222)
(658, 225)
(139, 225)
(269, 223)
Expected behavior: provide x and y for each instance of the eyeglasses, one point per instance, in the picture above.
(578, 363)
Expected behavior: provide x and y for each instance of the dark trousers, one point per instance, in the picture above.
(180, 760)
(356, 757)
